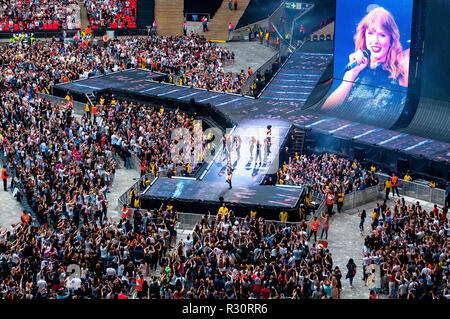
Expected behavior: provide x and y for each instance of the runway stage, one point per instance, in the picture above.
(205, 193)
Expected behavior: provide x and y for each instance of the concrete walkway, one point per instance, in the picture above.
(345, 241)
(248, 54)
(10, 208)
(123, 179)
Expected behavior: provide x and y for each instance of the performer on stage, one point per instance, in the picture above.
(224, 147)
(237, 144)
(230, 170)
(266, 149)
(229, 148)
(258, 152)
(381, 61)
(269, 138)
(252, 145)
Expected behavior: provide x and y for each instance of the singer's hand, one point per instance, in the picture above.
(359, 57)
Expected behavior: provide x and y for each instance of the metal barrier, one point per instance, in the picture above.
(245, 89)
(78, 107)
(138, 188)
(188, 220)
(416, 190)
(361, 197)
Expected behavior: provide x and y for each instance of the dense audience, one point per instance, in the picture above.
(94, 261)
(64, 165)
(231, 257)
(325, 171)
(33, 15)
(410, 247)
(192, 60)
(111, 13)
(34, 67)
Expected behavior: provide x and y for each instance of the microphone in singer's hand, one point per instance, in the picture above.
(355, 63)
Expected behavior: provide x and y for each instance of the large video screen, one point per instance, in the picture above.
(371, 60)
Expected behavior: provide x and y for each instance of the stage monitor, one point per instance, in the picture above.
(371, 61)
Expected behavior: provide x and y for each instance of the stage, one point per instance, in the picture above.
(210, 189)
(426, 156)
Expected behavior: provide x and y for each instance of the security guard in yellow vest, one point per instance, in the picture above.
(387, 188)
(407, 177)
(283, 216)
(223, 211)
(302, 211)
(340, 200)
(187, 168)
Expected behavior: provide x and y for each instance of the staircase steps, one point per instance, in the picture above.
(218, 26)
(169, 17)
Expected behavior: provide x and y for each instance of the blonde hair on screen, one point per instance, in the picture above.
(380, 17)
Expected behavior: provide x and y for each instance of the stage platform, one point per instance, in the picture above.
(297, 78)
(433, 155)
(247, 193)
(194, 196)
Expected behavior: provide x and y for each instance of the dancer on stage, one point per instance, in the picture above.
(230, 170)
(229, 148)
(258, 152)
(269, 138)
(266, 149)
(252, 145)
(237, 144)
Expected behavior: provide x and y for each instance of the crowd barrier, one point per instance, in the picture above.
(416, 190)
(361, 197)
(73, 32)
(262, 69)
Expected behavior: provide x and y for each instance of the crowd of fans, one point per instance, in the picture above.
(48, 15)
(94, 261)
(64, 165)
(34, 67)
(190, 61)
(322, 172)
(406, 251)
(230, 257)
(33, 15)
(111, 13)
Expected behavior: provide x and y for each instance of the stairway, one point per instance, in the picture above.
(91, 98)
(297, 145)
(84, 19)
(169, 17)
(218, 26)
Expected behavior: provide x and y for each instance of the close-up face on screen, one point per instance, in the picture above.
(371, 60)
